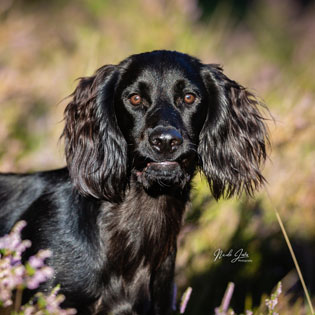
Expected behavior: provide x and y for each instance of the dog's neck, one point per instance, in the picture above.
(145, 225)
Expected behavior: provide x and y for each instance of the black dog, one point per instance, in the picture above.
(135, 133)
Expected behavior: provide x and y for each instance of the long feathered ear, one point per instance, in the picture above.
(233, 141)
(96, 151)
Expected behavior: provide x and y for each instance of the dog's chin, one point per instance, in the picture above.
(162, 175)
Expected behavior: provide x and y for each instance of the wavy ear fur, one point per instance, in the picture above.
(233, 140)
(96, 151)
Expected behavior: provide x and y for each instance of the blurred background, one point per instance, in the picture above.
(268, 46)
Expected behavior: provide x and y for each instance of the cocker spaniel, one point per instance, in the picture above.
(135, 134)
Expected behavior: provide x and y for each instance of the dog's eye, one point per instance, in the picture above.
(135, 99)
(189, 98)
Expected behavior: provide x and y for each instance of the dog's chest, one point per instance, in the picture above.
(141, 231)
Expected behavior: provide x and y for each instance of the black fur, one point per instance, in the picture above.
(133, 143)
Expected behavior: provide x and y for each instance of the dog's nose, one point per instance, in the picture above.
(165, 140)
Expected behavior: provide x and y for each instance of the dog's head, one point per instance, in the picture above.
(157, 117)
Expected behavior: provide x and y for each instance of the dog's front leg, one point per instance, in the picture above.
(163, 286)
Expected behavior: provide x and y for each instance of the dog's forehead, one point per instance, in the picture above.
(161, 66)
(161, 75)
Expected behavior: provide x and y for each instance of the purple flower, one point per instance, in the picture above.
(273, 301)
(12, 270)
(41, 275)
(37, 261)
(16, 276)
(227, 296)
(223, 309)
(47, 304)
(185, 299)
(12, 244)
(37, 272)
(13, 274)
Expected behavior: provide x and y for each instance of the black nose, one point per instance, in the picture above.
(165, 140)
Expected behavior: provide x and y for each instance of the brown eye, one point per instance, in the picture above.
(135, 99)
(189, 98)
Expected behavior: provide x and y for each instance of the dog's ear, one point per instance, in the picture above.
(233, 140)
(96, 151)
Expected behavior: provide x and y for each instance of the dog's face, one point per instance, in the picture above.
(157, 117)
(161, 105)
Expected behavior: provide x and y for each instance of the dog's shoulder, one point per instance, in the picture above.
(19, 191)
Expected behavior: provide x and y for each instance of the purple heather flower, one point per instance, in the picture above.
(37, 261)
(49, 304)
(37, 272)
(227, 297)
(223, 309)
(40, 275)
(185, 299)
(12, 244)
(13, 274)
(11, 269)
(273, 301)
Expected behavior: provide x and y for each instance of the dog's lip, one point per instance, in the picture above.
(163, 163)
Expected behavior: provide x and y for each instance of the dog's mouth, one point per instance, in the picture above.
(164, 173)
(147, 165)
(164, 166)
